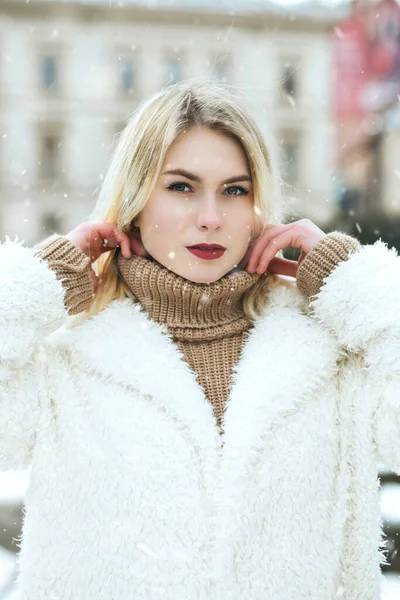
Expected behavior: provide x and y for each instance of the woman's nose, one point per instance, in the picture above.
(209, 216)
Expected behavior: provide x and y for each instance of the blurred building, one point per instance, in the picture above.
(72, 72)
(367, 85)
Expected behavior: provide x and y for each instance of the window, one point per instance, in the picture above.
(50, 155)
(49, 72)
(289, 77)
(173, 69)
(290, 144)
(127, 73)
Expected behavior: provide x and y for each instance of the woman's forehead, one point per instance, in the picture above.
(203, 151)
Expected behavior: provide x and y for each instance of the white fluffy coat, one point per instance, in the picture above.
(134, 495)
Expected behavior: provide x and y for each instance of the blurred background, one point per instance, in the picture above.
(321, 78)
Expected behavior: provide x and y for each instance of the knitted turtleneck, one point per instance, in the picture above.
(206, 321)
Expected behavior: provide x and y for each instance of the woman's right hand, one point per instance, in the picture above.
(96, 238)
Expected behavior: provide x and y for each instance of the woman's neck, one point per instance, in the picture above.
(185, 307)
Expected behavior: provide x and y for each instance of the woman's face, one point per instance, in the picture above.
(203, 196)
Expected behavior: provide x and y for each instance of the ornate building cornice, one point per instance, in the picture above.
(261, 20)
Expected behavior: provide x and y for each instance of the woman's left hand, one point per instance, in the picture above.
(303, 234)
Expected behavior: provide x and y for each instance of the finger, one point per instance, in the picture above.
(270, 231)
(112, 237)
(124, 242)
(137, 247)
(122, 239)
(94, 279)
(284, 240)
(301, 258)
(283, 266)
(101, 240)
(107, 231)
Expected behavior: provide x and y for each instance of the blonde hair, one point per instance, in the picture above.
(137, 160)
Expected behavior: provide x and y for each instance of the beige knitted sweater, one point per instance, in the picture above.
(206, 321)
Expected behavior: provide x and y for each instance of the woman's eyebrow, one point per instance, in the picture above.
(194, 177)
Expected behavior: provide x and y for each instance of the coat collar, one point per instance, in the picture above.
(287, 357)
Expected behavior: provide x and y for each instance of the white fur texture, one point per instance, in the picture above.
(135, 496)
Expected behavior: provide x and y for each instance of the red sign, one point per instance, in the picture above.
(366, 50)
(350, 66)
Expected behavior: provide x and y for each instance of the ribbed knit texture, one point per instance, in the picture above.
(71, 267)
(206, 321)
(334, 248)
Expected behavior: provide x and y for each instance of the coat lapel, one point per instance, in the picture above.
(286, 358)
(123, 346)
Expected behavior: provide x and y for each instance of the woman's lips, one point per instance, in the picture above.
(209, 254)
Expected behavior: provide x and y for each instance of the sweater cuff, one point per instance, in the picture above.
(334, 248)
(71, 267)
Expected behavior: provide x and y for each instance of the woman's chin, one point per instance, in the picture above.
(202, 274)
(197, 270)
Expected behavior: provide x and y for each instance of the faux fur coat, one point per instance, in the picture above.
(134, 495)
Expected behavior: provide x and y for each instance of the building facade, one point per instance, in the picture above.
(72, 73)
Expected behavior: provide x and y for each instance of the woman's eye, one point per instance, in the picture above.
(178, 187)
(184, 188)
(238, 190)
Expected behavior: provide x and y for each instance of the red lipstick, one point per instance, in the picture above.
(207, 251)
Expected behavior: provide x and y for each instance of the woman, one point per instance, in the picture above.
(209, 426)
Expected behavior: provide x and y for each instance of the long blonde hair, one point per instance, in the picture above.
(139, 155)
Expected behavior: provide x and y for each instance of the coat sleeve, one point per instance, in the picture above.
(31, 307)
(359, 302)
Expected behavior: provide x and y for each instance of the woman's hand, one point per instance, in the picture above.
(96, 238)
(303, 234)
